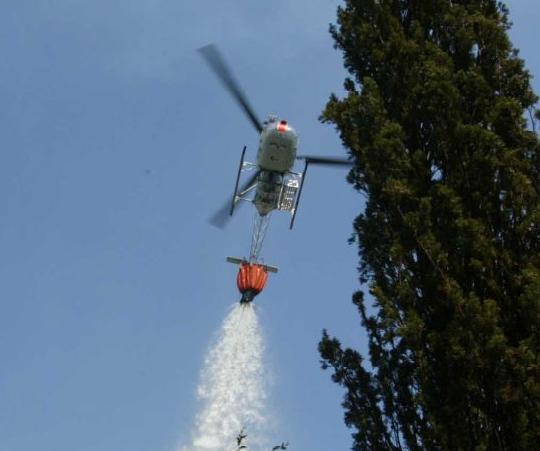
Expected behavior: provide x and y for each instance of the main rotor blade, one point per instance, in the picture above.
(216, 62)
(221, 217)
(325, 161)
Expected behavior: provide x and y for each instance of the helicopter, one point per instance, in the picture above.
(273, 185)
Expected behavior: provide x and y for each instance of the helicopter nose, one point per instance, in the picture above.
(282, 126)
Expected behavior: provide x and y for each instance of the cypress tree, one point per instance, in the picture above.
(437, 117)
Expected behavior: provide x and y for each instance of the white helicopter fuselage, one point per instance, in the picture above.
(275, 158)
(277, 147)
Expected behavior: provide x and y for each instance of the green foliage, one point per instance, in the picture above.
(449, 242)
(241, 440)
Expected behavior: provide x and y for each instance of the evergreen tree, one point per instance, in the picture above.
(449, 241)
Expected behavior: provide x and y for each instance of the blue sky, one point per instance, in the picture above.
(116, 144)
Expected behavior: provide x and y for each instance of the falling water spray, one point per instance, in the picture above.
(231, 390)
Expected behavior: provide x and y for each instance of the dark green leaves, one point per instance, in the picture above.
(449, 242)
